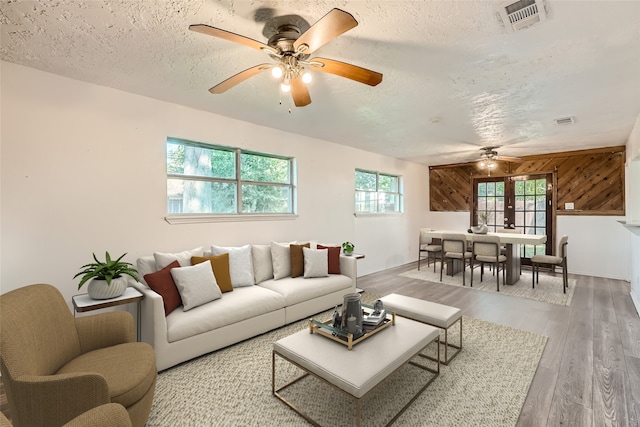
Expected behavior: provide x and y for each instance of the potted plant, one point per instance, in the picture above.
(106, 278)
(348, 248)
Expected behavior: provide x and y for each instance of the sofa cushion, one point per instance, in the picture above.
(262, 264)
(316, 263)
(297, 258)
(334, 258)
(196, 284)
(240, 266)
(220, 265)
(162, 283)
(241, 304)
(184, 258)
(281, 258)
(299, 289)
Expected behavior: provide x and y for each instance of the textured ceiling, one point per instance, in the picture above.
(454, 79)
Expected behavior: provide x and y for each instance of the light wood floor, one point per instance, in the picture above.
(589, 374)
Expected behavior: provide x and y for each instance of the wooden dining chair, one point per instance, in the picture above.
(454, 247)
(427, 246)
(486, 249)
(560, 259)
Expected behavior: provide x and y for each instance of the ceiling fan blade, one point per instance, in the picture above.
(232, 37)
(343, 69)
(239, 78)
(300, 92)
(327, 28)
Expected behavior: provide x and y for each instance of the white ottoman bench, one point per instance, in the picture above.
(431, 313)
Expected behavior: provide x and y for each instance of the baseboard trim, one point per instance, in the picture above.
(636, 301)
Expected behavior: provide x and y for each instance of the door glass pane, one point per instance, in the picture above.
(530, 211)
(500, 189)
(482, 189)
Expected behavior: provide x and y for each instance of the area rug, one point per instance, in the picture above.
(549, 288)
(485, 385)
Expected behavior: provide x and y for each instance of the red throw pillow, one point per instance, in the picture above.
(334, 258)
(162, 283)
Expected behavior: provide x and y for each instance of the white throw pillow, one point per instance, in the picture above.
(184, 258)
(262, 264)
(240, 265)
(197, 284)
(316, 262)
(281, 258)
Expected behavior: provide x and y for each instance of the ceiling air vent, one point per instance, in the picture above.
(565, 121)
(521, 14)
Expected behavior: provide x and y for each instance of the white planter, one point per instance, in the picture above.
(98, 289)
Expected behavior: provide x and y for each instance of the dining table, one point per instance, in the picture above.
(511, 241)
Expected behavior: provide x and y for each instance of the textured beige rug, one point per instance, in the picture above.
(549, 288)
(485, 385)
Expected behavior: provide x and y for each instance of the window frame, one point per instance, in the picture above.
(380, 194)
(238, 215)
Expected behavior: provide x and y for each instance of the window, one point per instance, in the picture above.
(210, 179)
(378, 193)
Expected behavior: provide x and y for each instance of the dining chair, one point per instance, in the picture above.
(560, 259)
(486, 249)
(503, 248)
(454, 248)
(427, 245)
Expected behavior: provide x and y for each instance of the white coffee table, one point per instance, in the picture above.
(358, 371)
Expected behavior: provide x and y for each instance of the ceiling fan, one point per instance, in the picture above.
(291, 49)
(489, 155)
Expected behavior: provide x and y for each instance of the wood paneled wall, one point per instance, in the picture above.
(591, 179)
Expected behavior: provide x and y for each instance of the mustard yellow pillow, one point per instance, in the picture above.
(220, 266)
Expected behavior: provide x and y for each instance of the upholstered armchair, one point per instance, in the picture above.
(107, 415)
(56, 367)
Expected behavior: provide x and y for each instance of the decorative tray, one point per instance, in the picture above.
(339, 335)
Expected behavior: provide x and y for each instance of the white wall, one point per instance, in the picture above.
(83, 170)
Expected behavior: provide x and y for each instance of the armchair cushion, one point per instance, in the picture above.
(129, 369)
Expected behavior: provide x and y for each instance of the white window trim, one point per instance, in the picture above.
(204, 218)
(377, 214)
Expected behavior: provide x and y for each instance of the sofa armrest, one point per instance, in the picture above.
(349, 267)
(56, 399)
(105, 330)
(153, 320)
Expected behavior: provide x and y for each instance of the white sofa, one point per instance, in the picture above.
(243, 313)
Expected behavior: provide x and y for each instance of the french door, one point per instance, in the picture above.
(522, 202)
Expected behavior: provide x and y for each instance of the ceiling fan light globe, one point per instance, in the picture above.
(276, 72)
(285, 87)
(307, 77)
